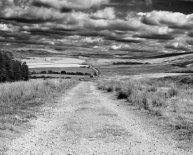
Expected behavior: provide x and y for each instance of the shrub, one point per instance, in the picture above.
(152, 89)
(172, 92)
(156, 103)
(109, 89)
(43, 72)
(63, 72)
(122, 95)
(145, 103)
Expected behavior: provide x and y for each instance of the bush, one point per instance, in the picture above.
(145, 103)
(172, 92)
(63, 72)
(43, 72)
(109, 89)
(122, 95)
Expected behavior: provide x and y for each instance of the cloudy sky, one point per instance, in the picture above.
(131, 21)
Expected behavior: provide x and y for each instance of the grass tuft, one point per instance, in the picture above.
(122, 95)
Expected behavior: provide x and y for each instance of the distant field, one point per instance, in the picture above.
(126, 60)
(55, 65)
(134, 69)
(48, 62)
(181, 63)
(138, 58)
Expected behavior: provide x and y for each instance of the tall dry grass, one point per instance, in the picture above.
(18, 100)
(161, 97)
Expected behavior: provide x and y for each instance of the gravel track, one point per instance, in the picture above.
(87, 122)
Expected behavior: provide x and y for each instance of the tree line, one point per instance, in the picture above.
(62, 72)
(12, 70)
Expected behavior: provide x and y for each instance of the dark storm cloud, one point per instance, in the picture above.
(128, 40)
(155, 36)
(24, 20)
(190, 34)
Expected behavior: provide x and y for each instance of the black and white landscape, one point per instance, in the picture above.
(96, 77)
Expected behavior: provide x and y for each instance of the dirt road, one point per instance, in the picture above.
(88, 122)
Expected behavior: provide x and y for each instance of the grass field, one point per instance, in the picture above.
(134, 69)
(167, 98)
(20, 100)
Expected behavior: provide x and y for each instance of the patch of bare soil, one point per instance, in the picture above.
(88, 122)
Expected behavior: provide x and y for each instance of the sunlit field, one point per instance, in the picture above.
(57, 62)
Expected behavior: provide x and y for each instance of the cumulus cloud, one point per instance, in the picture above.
(48, 9)
(107, 13)
(57, 4)
(116, 24)
(171, 19)
(75, 15)
(167, 25)
(5, 27)
(180, 43)
(104, 20)
(33, 13)
(73, 4)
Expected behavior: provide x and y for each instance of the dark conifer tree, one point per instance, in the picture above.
(25, 71)
(12, 70)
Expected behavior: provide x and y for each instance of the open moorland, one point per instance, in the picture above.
(96, 77)
(155, 82)
(154, 86)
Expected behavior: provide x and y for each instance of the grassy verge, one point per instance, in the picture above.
(162, 97)
(20, 100)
